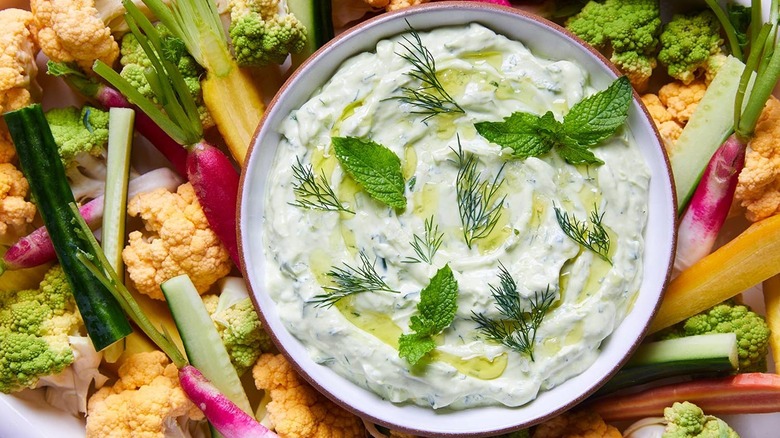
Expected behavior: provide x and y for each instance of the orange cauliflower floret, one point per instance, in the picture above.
(18, 88)
(74, 31)
(681, 99)
(758, 188)
(296, 409)
(669, 128)
(17, 60)
(392, 5)
(146, 401)
(15, 212)
(576, 424)
(179, 242)
(673, 106)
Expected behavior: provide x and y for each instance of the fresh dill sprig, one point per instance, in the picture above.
(477, 204)
(426, 246)
(430, 97)
(593, 237)
(313, 193)
(519, 323)
(350, 280)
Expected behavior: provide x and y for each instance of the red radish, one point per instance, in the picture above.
(111, 98)
(206, 164)
(713, 196)
(747, 393)
(213, 191)
(210, 171)
(36, 248)
(222, 413)
(710, 204)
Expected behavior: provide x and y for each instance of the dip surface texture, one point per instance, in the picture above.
(490, 77)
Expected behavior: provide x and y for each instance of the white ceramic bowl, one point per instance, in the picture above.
(545, 40)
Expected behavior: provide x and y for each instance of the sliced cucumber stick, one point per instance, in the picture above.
(317, 16)
(690, 355)
(201, 340)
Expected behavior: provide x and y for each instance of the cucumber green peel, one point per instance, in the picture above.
(103, 317)
(691, 355)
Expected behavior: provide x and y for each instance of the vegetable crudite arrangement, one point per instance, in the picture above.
(446, 228)
(137, 320)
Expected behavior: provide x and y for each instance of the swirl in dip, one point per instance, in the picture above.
(490, 77)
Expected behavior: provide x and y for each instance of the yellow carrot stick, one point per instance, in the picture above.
(772, 303)
(750, 258)
(236, 105)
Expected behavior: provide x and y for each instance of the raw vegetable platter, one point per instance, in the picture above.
(27, 414)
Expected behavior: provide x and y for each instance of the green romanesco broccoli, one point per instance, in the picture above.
(34, 330)
(625, 29)
(687, 43)
(78, 130)
(238, 324)
(264, 32)
(135, 63)
(686, 420)
(751, 329)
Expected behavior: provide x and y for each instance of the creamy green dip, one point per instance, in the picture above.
(490, 77)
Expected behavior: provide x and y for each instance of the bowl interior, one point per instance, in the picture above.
(545, 40)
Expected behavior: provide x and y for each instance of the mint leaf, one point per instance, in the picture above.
(414, 347)
(589, 122)
(437, 306)
(376, 168)
(524, 133)
(574, 153)
(598, 116)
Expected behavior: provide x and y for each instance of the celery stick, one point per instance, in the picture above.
(202, 341)
(707, 129)
(120, 140)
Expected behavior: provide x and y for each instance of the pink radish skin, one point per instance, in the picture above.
(710, 204)
(222, 413)
(111, 98)
(215, 181)
(36, 248)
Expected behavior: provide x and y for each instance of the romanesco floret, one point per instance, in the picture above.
(78, 130)
(238, 323)
(628, 29)
(34, 330)
(751, 330)
(264, 32)
(686, 420)
(687, 43)
(135, 62)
